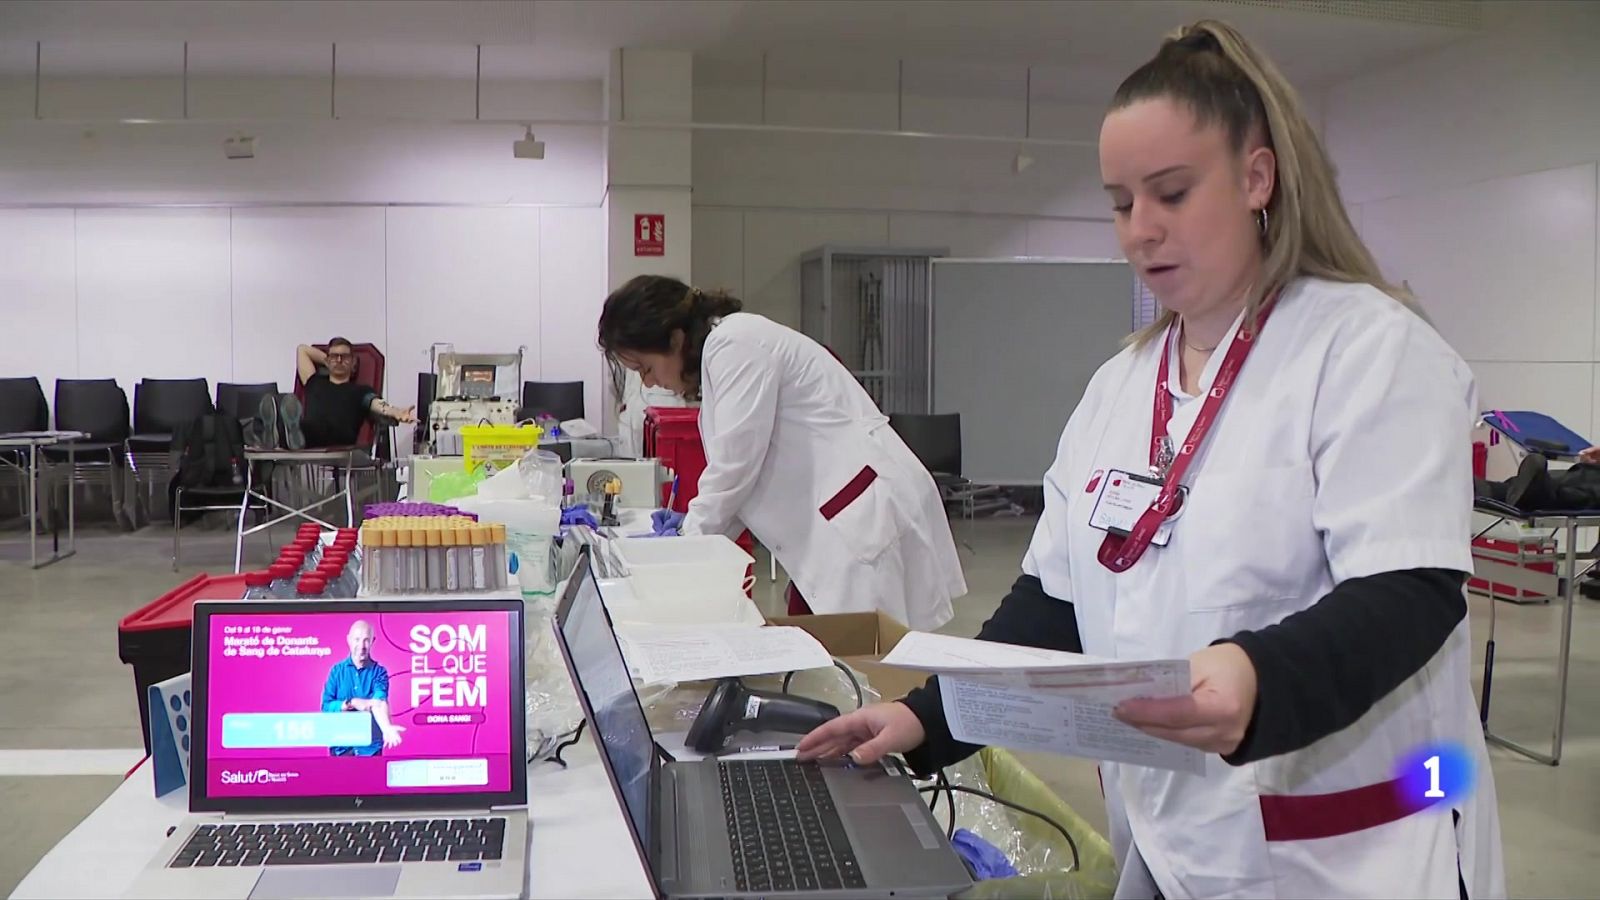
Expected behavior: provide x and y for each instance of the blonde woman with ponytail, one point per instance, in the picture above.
(1274, 482)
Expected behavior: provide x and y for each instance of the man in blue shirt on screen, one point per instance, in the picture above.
(360, 683)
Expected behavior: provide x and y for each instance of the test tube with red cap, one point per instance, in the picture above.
(257, 585)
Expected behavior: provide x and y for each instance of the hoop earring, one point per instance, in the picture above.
(1262, 220)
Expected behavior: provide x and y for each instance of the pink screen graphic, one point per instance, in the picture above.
(448, 704)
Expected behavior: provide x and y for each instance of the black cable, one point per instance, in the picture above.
(577, 735)
(860, 697)
(952, 789)
(943, 781)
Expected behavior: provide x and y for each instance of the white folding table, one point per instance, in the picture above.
(578, 843)
(1568, 574)
(344, 461)
(33, 441)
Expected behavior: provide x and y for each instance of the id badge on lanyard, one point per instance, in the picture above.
(1158, 499)
(1124, 497)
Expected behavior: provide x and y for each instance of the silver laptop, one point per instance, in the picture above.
(353, 748)
(758, 828)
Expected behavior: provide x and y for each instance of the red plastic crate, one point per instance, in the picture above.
(1533, 548)
(672, 435)
(154, 639)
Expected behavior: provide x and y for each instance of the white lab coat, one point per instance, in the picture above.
(1342, 451)
(797, 452)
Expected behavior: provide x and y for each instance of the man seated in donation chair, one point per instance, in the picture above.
(1535, 488)
(338, 405)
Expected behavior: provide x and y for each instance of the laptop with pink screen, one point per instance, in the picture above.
(353, 748)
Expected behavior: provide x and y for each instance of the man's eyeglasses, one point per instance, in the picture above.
(340, 357)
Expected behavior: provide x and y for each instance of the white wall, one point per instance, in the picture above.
(1472, 173)
(226, 294)
(137, 251)
(761, 200)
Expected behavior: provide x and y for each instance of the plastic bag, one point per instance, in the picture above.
(540, 471)
(1041, 856)
(447, 486)
(531, 526)
(553, 712)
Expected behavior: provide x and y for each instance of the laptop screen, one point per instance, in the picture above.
(619, 719)
(369, 701)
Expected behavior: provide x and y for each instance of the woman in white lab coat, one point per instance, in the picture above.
(1311, 566)
(796, 451)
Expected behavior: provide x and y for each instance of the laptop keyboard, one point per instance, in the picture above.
(786, 833)
(328, 843)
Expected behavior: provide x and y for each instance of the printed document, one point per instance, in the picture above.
(1026, 698)
(661, 655)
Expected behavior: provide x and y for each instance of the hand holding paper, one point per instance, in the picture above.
(1214, 715)
(1026, 698)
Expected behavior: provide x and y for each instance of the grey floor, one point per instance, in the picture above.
(67, 690)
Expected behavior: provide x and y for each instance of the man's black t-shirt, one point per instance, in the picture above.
(334, 412)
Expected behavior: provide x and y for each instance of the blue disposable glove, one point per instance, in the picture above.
(578, 515)
(666, 523)
(985, 859)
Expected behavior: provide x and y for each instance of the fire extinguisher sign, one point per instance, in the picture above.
(649, 234)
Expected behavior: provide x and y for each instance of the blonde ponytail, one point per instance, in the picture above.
(1214, 71)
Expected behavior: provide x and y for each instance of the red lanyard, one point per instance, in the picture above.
(1119, 553)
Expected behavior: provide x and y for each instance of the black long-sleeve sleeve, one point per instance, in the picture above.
(1317, 671)
(1321, 669)
(1027, 616)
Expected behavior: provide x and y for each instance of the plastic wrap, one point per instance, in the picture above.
(1041, 856)
(541, 474)
(552, 706)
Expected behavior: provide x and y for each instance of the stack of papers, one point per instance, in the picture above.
(663, 655)
(1025, 698)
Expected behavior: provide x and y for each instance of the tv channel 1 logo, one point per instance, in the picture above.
(1437, 774)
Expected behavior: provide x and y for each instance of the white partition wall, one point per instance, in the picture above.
(1482, 255)
(38, 295)
(468, 277)
(227, 294)
(153, 296)
(572, 289)
(302, 275)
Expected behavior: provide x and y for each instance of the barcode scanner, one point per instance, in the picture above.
(731, 707)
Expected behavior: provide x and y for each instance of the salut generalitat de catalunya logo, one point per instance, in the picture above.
(1094, 481)
(258, 776)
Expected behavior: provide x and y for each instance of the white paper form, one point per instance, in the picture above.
(660, 655)
(1025, 698)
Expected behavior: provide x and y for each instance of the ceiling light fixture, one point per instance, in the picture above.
(528, 147)
(239, 147)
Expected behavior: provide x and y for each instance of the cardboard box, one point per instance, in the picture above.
(860, 640)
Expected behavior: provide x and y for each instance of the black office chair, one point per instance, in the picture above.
(98, 407)
(241, 401)
(22, 408)
(160, 407)
(562, 399)
(936, 440)
(427, 385)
